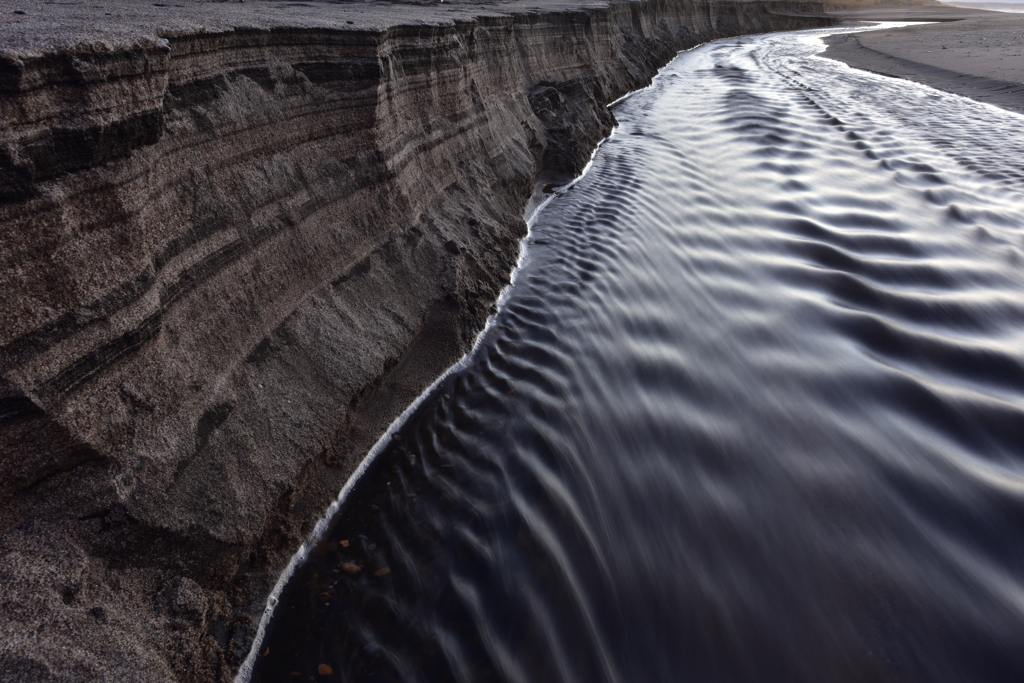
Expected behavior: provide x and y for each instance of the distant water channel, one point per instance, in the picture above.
(752, 411)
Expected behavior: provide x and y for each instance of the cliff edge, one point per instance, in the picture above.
(238, 239)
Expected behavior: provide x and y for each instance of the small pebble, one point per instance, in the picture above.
(324, 670)
(344, 544)
(375, 507)
(350, 567)
(382, 571)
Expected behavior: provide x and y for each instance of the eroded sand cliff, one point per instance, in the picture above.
(237, 241)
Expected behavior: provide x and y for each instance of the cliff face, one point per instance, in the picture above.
(230, 258)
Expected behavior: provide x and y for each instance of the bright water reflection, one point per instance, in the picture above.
(753, 411)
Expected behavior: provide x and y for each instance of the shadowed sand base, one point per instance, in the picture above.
(973, 53)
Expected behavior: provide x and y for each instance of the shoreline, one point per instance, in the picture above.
(537, 201)
(973, 53)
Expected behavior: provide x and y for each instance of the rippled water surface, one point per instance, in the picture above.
(753, 411)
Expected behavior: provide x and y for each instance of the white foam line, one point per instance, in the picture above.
(245, 670)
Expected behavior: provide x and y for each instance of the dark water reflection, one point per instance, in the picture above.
(753, 411)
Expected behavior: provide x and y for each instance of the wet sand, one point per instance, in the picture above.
(974, 53)
(994, 6)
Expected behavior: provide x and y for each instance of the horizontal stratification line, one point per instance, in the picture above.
(92, 363)
(38, 341)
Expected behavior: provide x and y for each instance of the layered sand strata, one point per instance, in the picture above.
(237, 240)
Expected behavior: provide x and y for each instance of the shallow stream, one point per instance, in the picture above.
(753, 410)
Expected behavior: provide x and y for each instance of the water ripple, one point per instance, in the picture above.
(753, 411)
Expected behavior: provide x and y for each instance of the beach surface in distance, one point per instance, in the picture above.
(974, 53)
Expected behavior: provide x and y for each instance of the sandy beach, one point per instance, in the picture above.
(974, 53)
